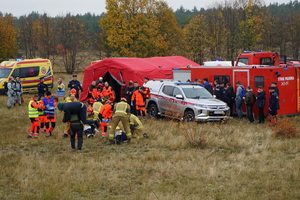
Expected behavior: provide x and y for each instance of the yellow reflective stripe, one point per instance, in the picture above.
(138, 126)
(120, 111)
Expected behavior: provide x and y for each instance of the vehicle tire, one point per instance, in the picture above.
(153, 110)
(189, 116)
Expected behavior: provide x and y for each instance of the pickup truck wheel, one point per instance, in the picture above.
(153, 111)
(189, 116)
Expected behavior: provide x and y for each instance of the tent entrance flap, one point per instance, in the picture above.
(114, 83)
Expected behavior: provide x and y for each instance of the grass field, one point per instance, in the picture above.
(179, 161)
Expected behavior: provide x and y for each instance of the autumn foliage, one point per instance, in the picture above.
(282, 127)
(8, 40)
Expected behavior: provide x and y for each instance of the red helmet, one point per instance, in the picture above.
(59, 79)
(90, 109)
(123, 99)
(73, 91)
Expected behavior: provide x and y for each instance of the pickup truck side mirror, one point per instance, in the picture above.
(178, 96)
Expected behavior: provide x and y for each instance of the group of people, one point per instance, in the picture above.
(102, 110)
(14, 90)
(246, 96)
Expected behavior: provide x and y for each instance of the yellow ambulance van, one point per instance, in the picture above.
(29, 70)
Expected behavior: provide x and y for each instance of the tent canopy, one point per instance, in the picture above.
(135, 69)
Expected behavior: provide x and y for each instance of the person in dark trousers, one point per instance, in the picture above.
(42, 88)
(261, 102)
(231, 96)
(221, 93)
(76, 127)
(123, 88)
(75, 108)
(249, 101)
(239, 99)
(273, 104)
(76, 85)
(129, 92)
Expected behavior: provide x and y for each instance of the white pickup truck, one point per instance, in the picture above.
(187, 101)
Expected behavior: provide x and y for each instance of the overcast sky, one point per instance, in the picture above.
(61, 7)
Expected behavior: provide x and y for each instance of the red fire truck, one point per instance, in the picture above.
(260, 69)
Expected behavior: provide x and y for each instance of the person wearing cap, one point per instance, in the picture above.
(48, 104)
(188, 81)
(221, 93)
(146, 79)
(274, 84)
(261, 102)
(11, 87)
(105, 115)
(42, 88)
(100, 84)
(75, 84)
(121, 113)
(273, 103)
(18, 90)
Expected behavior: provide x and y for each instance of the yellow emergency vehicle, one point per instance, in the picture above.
(29, 70)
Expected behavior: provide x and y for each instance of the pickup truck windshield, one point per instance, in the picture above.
(4, 72)
(197, 93)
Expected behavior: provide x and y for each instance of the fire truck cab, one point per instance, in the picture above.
(258, 58)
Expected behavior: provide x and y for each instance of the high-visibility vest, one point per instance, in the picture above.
(121, 107)
(49, 106)
(32, 112)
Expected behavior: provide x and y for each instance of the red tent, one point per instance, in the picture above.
(115, 70)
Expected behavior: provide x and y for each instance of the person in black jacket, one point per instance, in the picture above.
(128, 94)
(261, 102)
(250, 101)
(220, 92)
(76, 85)
(75, 108)
(231, 97)
(273, 103)
(42, 88)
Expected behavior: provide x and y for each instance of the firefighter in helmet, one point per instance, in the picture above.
(121, 113)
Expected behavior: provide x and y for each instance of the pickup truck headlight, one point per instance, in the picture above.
(202, 106)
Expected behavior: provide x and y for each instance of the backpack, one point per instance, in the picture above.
(243, 92)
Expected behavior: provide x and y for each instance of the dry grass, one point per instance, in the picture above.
(239, 161)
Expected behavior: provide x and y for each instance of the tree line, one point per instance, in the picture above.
(147, 28)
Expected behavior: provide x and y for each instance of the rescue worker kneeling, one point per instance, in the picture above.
(121, 113)
(33, 114)
(136, 127)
